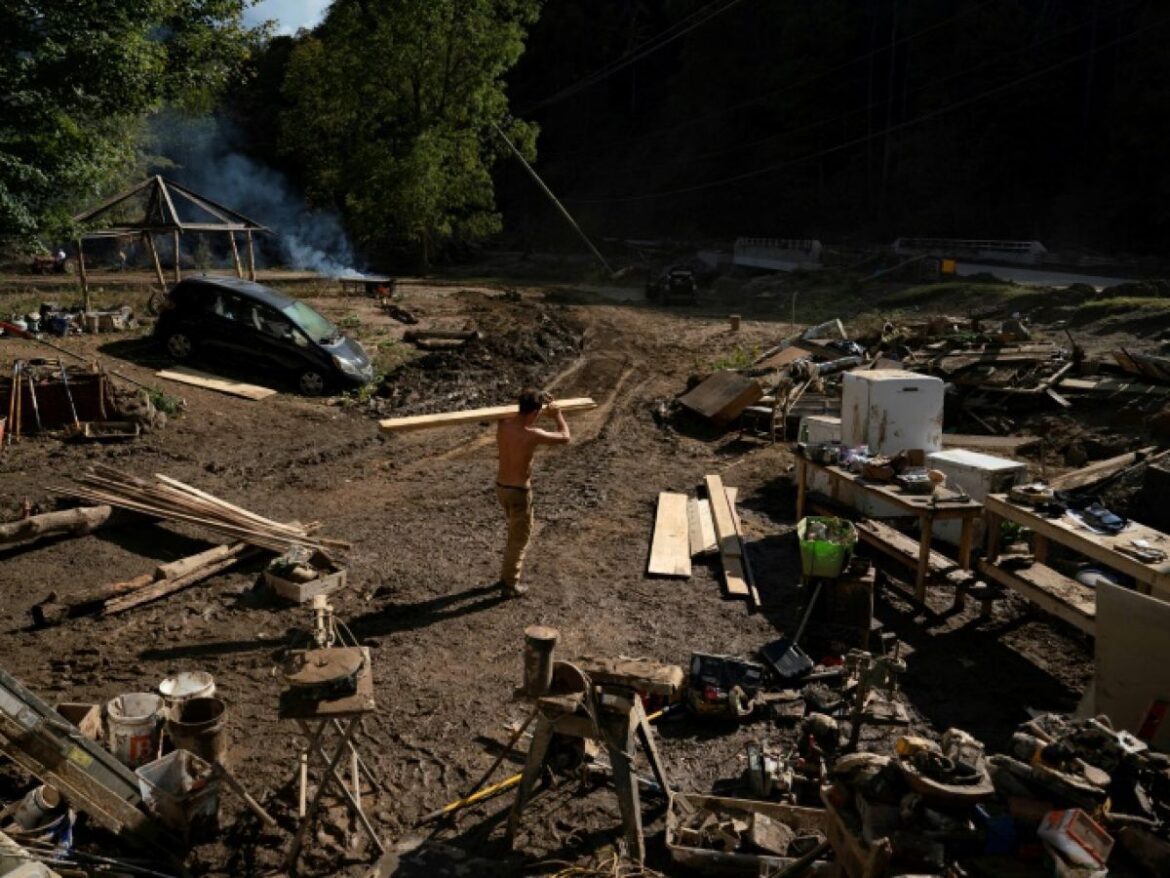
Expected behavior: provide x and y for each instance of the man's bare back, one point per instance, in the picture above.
(517, 439)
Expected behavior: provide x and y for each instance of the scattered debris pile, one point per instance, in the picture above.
(480, 370)
(52, 319)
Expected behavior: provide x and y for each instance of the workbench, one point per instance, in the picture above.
(924, 507)
(1058, 594)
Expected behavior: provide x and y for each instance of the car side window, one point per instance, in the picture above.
(272, 322)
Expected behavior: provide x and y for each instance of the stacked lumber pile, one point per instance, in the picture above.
(687, 527)
(172, 500)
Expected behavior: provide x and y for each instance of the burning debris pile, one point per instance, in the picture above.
(486, 369)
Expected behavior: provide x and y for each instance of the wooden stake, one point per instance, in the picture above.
(85, 302)
(236, 255)
(149, 240)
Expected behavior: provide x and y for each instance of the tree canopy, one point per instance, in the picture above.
(391, 114)
(79, 76)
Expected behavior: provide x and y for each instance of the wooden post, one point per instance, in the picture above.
(236, 255)
(178, 270)
(148, 239)
(85, 302)
(251, 258)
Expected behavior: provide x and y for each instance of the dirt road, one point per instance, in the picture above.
(427, 532)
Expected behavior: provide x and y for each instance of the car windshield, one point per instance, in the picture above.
(314, 325)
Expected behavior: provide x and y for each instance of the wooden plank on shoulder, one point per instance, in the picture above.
(474, 416)
(186, 375)
(670, 551)
(726, 533)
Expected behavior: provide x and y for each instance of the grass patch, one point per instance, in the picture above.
(955, 294)
(1104, 307)
(738, 358)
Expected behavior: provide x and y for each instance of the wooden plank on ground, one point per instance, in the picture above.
(474, 416)
(1064, 598)
(187, 375)
(726, 533)
(1112, 386)
(670, 551)
(722, 397)
(701, 528)
(734, 577)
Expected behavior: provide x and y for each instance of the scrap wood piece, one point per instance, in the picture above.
(701, 527)
(726, 532)
(1099, 471)
(670, 553)
(722, 397)
(165, 587)
(76, 522)
(474, 416)
(187, 375)
(1113, 387)
(190, 570)
(654, 678)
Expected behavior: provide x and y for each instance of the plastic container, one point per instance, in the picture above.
(134, 722)
(182, 791)
(826, 545)
(199, 725)
(1077, 836)
(184, 686)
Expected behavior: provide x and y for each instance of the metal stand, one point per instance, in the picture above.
(612, 716)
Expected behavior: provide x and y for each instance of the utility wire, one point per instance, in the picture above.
(925, 117)
(801, 83)
(928, 83)
(634, 56)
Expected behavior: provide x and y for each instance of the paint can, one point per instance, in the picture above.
(134, 723)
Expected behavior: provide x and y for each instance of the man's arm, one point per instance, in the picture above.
(562, 435)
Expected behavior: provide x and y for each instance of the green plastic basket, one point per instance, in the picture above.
(826, 558)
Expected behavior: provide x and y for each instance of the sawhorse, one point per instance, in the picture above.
(612, 716)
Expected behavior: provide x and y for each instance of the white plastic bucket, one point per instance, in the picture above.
(184, 686)
(135, 725)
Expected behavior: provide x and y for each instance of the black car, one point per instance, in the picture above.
(231, 319)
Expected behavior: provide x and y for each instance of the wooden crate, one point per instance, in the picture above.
(302, 592)
(854, 858)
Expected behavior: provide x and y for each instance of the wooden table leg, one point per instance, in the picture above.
(801, 481)
(992, 523)
(1039, 548)
(620, 744)
(923, 558)
(968, 530)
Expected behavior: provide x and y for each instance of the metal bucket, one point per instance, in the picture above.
(199, 725)
(184, 686)
(134, 721)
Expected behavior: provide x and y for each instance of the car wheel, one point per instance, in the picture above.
(312, 383)
(179, 345)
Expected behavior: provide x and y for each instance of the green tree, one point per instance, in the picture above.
(392, 112)
(80, 76)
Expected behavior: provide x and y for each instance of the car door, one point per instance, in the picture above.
(280, 343)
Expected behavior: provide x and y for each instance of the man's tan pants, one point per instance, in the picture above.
(517, 503)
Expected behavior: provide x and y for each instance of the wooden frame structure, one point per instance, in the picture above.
(161, 217)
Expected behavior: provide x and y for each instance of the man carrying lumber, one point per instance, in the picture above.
(517, 438)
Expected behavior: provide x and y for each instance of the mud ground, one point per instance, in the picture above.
(426, 531)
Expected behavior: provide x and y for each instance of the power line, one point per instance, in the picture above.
(694, 120)
(635, 55)
(929, 83)
(925, 117)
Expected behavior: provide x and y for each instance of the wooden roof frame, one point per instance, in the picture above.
(161, 215)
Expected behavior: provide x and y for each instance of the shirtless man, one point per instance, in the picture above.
(517, 438)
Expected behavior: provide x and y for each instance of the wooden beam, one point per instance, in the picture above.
(474, 416)
(670, 553)
(165, 587)
(251, 257)
(701, 527)
(236, 255)
(726, 533)
(185, 375)
(81, 275)
(148, 239)
(178, 269)
(1099, 471)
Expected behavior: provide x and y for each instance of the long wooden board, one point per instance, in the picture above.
(726, 533)
(186, 375)
(474, 416)
(701, 527)
(1054, 593)
(670, 550)
(734, 577)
